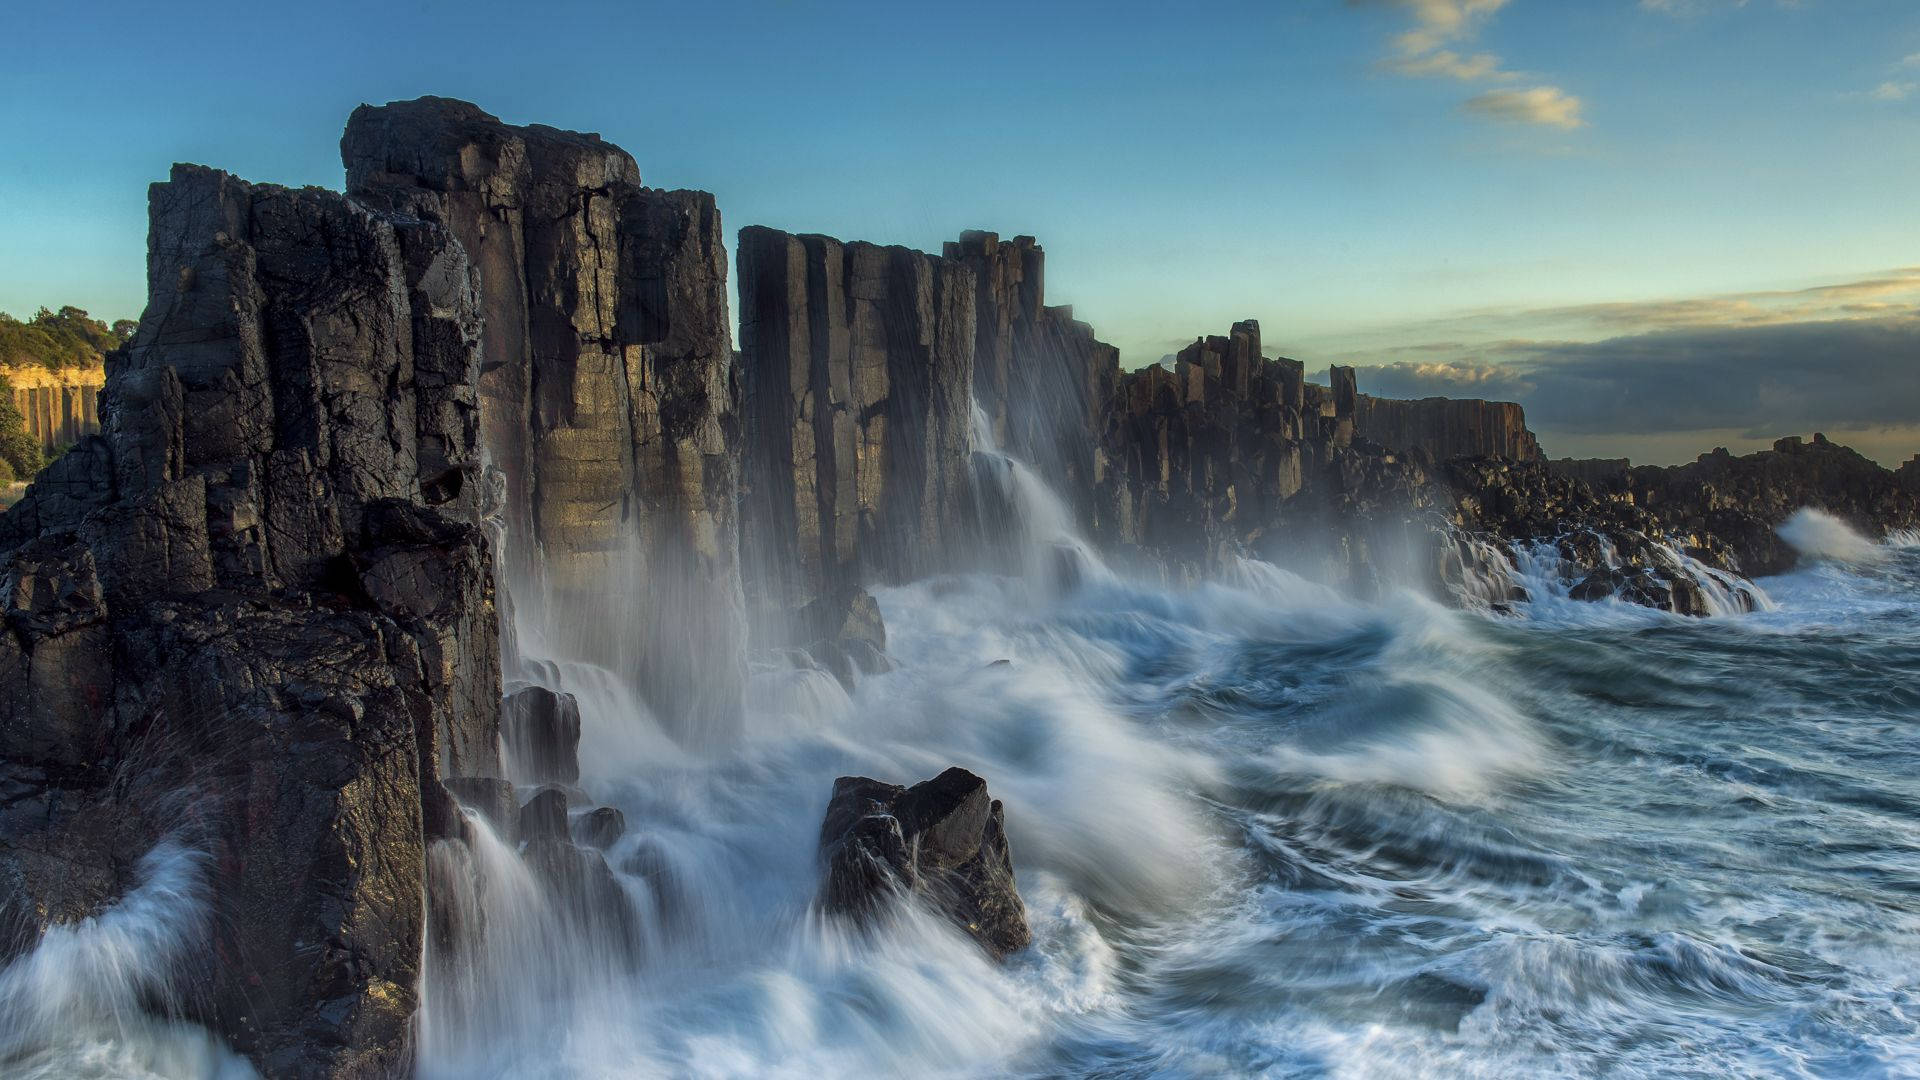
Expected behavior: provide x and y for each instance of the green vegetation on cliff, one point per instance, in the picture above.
(20, 455)
(67, 338)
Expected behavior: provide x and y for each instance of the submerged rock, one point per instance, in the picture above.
(943, 840)
(600, 828)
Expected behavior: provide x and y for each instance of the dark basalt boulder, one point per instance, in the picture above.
(943, 840)
(541, 730)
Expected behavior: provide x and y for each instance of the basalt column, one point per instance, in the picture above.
(858, 370)
(1040, 377)
(608, 397)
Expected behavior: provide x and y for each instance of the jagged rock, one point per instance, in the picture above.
(607, 395)
(849, 637)
(238, 624)
(943, 840)
(600, 828)
(544, 816)
(541, 730)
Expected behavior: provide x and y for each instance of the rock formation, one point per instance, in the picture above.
(1737, 500)
(857, 365)
(943, 840)
(1040, 379)
(60, 407)
(255, 614)
(607, 395)
(1444, 428)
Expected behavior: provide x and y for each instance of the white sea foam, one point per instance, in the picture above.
(1819, 535)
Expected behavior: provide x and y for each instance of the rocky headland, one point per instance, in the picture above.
(361, 442)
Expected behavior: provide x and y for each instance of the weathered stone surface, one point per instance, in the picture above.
(607, 396)
(943, 840)
(858, 369)
(240, 625)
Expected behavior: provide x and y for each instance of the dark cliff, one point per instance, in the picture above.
(607, 395)
(1447, 427)
(857, 373)
(255, 617)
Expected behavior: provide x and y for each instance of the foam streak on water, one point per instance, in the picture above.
(1265, 830)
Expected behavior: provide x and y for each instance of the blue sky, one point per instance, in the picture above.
(1405, 183)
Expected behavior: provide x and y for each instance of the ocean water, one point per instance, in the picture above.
(1261, 830)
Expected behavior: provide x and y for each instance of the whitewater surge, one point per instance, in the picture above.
(90, 999)
(1261, 829)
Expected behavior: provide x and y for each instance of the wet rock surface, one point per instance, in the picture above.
(943, 840)
(608, 392)
(254, 617)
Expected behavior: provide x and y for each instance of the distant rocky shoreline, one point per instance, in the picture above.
(358, 439)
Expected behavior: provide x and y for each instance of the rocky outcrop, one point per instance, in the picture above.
(1738, 500)
(943, 840)
(607, 395)
(1040, 379)
(1445, 428)
(256, 615)
(1908, 474)
(1198, 460)
(857, 365)
(60, 407)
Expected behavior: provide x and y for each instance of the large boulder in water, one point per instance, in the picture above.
(943, 840)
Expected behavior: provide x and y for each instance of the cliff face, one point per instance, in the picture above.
(607, 396)
(1446, 428)
(857, 373)
(59, 407)
(1040, 379)
(256, 616)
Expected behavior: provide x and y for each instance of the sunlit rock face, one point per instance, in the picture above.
(256, 616)
(857, 367)
(608, 395)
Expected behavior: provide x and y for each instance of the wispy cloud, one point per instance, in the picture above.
(1432, 48)
(1892, 90)
(1841, 356)
(1548, 106)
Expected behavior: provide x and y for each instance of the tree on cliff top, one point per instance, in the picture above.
(19, 450)
(67, 338)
